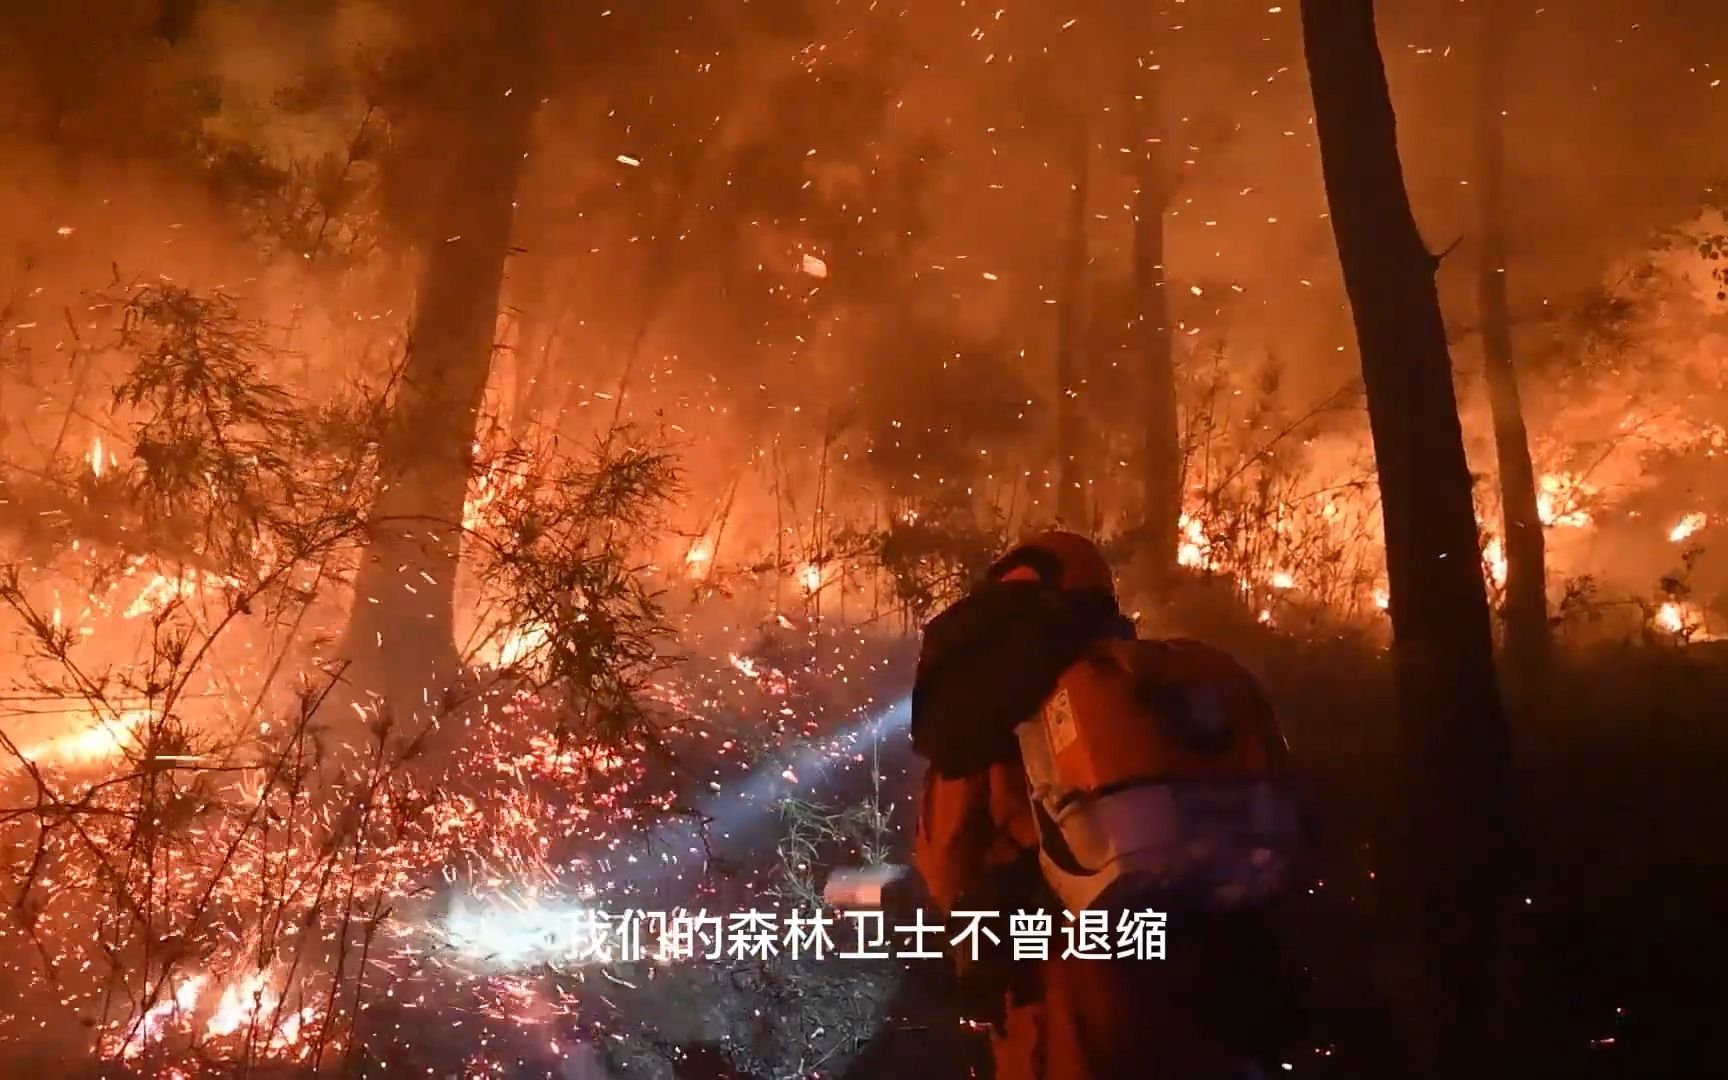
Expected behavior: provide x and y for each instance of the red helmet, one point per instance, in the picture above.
(1067, 560)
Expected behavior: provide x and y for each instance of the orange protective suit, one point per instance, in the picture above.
(988, 663)
(1080, 1019)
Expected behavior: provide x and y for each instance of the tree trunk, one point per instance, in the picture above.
(400, 635)
(1161, 463)
(1455, 735)
(1526, 607)
(1071, 501)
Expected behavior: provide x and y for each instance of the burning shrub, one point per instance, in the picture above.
(557, 551)
(208, 870)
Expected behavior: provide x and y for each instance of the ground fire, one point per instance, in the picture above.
(482, 487)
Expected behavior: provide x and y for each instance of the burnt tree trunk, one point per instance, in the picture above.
(1526, 604)
(400, 635)
(1161, 449)
(1457, 747)
(1071, 501)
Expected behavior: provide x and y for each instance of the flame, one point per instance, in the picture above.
(1683, 619)
(1687, 525)
(485, 489)
(1671, 618)
(153, 1025)
(1559, 499)
(186, 997)
(1283, 579)
(105, 740)
(1494, 557)
(288, 1033)
(810, 577)
(1192, 545)
(773, 680)
(161, 591)
(94, 457)
(699, 559)
(475, 504)
(243, 1003)
(1382, 599)
(240, 1001)
(520, 642)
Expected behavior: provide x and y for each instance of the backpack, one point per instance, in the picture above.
(1158, 776)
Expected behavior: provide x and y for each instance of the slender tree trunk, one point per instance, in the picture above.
(1526, 610)
(400, 636)
(1457, 745)
(1071, 501)
(1161, 462)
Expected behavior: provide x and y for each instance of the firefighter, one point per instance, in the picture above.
(987, 664)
